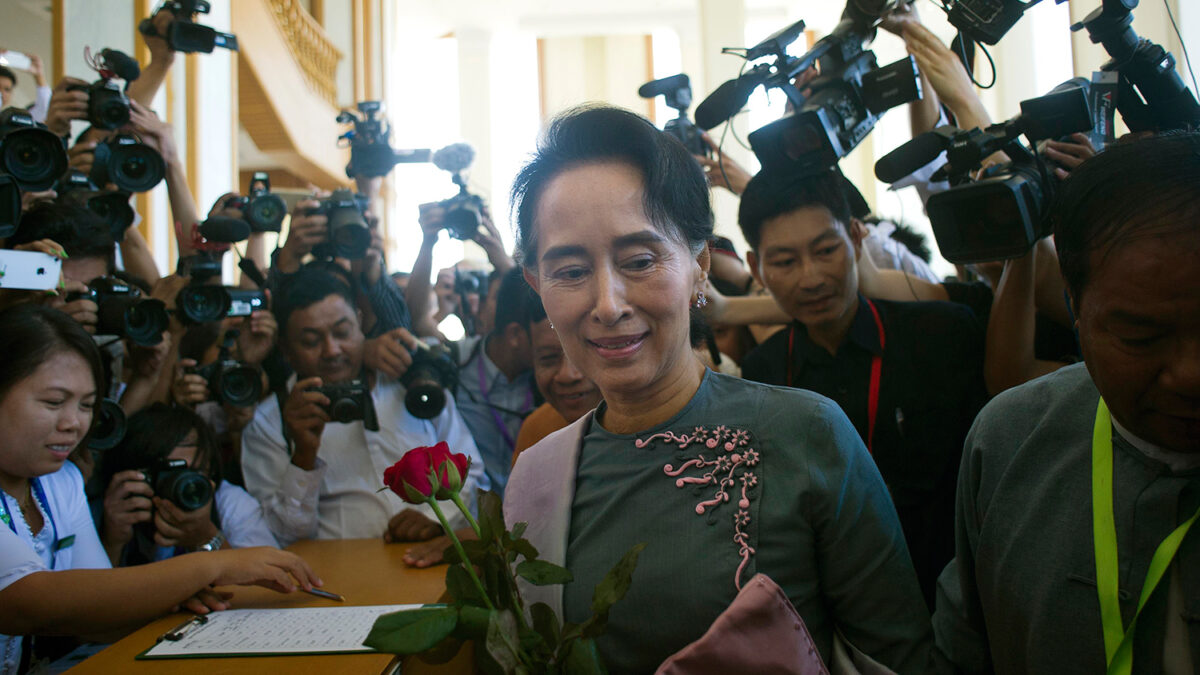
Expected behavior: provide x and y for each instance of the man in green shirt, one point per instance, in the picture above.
(1071, 484)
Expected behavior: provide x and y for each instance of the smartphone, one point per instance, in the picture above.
(29, 270)
(16, 60)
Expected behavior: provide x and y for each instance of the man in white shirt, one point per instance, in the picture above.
(320, 479)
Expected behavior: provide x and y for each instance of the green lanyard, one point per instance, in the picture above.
(1118, 642)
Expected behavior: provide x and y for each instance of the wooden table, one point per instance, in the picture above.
(365, 571)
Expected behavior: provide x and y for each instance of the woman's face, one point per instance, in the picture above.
(186, 450)
(616, 289)
(46, 415)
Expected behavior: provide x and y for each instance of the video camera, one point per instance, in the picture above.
(1000, 214)
(371, 155)
(29, 152)
(108, 106)
(263, 211)
(349, 236)
(112, 207)
(432, 372)
(184, 35)
(676, 90)
(463, 211)
(124, 312)
(846, 100)
(200, 302)
(230, 381)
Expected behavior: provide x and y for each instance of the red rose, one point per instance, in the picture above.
(410, 477)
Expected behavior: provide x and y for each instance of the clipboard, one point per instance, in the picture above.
(301, 631)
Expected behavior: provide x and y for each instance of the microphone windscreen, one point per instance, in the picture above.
(125, 66)
(454, 158)
(724, 102)
(225, 230)
(909, 157)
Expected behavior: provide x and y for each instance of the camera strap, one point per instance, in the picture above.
(876, 372)
(494, 409)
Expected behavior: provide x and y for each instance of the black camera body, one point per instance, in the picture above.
(987, 20)
(112, 206)
(204, 303)
(676, 90)
(463, 211)
(432, 372)
(229, 380)
(128, 163)
(371, 154)
(349, 236)
(263, 210)
(29, 152)
(174, 481)
(350, 402)
(186, 36)
(108, 106)
(124, 312)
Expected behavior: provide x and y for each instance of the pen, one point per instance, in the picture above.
(325, 594)
(176, 634)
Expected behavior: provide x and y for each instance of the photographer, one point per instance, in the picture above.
(141, 526)
(318, 478)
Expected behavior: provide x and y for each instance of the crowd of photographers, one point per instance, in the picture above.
(265, 413)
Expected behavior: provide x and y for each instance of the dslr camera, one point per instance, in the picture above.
(677, 91)
(124, 312)
(230, 381)
(30, 154)
(371, 154)
(112, 207)
(108, 427)
(185, 487)
(432, 372)
(261, 209)
(349, 236)
(350, 402)
(463, 211)
(130, 164)
(108, 106)
(183, 33)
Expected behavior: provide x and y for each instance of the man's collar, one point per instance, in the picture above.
(863, 333)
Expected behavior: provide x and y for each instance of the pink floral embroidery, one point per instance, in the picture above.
(726, 466)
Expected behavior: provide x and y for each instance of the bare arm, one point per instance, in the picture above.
(924, 113)
(144, 89)
(417, 293)
(895, 285)
(138, 259)
(1009, 359)
(746, 309)
(160, 136)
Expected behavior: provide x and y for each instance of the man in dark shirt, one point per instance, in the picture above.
(907, 374)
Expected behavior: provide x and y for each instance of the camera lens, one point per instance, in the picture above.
(202, 304)
(138, 168)
(145, 322)
(425, 397)
(108, 428)
(188, 489)
(35, 158)
(266, 213)
(114, 208)
(240, 386)
(344, 410)
(462, 221)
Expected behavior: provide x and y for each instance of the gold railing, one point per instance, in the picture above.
(312, 49)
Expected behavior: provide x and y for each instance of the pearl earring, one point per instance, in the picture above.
(701, 301)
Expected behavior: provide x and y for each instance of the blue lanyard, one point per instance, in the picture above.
(40, 496)
(499, 421)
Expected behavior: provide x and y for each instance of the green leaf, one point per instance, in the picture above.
(543, 573)
(460, 586)
(545, 622)
(413, 630)
(442, 652)
(502, 638)
(472, 623)
(518, 530)
(476, 549)
(583, 659)
(525, 548)
(491, 515)
(616, 583)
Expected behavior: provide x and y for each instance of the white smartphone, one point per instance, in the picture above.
(29, 270)
(17, 60)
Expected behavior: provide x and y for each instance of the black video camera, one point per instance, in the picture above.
(128, 163)
(230, 381)
(463, 211)
(108, 106)
(29, 152)
(174, 481)
(1001, 214)
(432, 372)
(677, 91)
(124, 312)
(183, 33)
(350, 402)
(261, 209)
(202, 303)
(371, 155)
(349, 236)
(112, 207)
(847, 98)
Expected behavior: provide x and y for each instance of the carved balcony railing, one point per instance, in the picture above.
(310, 47)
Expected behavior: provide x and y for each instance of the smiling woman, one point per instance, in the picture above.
(723, 478)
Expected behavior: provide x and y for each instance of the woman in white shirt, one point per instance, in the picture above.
(54, 576)
(141, 526)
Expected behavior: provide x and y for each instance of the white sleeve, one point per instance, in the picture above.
(88, 552)
(242, 519)
(41, 104)
(287, 493)
(452, 429)
(17, 560)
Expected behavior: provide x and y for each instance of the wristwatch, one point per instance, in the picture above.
(213, 544)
